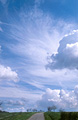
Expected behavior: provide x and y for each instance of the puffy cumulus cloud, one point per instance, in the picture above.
(67, 54)
(62, 99)
(7, 74)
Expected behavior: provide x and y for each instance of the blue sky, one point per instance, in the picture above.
(38, 54)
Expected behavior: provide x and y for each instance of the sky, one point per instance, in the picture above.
(38, 55)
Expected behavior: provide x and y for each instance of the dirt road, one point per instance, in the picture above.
(37, 116)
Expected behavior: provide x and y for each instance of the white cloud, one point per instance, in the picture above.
(18, 98)
(72, 49)
(67, 54)
(36, 84)
(62, 99)
(37, 36)
(16, 92)
(7, 74)
(16, 104)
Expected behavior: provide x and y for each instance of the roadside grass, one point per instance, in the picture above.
(15, 116)
(69, 116)
(61, 115)
(52, 115)
(47, 117)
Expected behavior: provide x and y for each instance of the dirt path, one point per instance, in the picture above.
(37, 116)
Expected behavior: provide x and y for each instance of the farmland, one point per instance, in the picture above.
(47, 115)
(52, 115)
(15, 116)
(61, 116)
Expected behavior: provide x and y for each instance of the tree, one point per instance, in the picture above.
(49, 109)
(1, 106)
(34, 110)
(29, 110)
(52, 108)
(61, 110)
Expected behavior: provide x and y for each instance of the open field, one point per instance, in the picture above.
(69, 116)
(15, 116)
(52, 115)
(47, 116)
(61, 115)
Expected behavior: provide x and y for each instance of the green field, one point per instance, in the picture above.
(47, 115)
(52, 115)
(15, 116)
(61, 115)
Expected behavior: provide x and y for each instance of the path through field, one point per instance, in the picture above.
(37, 116)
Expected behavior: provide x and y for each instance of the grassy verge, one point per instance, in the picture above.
(52, 115)
(69, 116)
(61, 115)
(16, 116)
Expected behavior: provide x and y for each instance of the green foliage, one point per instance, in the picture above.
(47, 117)
(61, 115)
(15, 116)
(52, 115)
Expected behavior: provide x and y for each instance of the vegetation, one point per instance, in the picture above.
(52, 115)
(52, 108)
(15, 116)
(69, 116)
(61, 115)
(47, 115)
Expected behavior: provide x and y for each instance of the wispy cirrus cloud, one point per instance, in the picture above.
(36, 37)
(37, 34)
(32, 39)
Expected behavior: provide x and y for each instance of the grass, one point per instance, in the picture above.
(15, 116)
(47, 115)
(52, 115)
(61, 115)
(69, 116)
